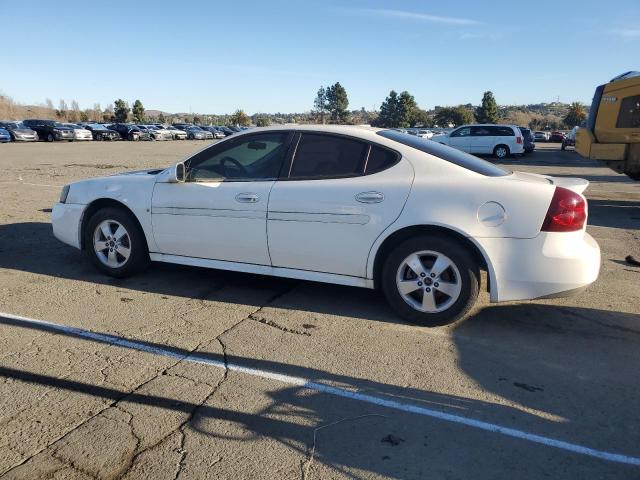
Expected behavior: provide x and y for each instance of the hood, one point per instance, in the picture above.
(578, 185)
(22, 131)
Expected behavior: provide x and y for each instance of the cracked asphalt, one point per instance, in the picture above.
(74, 407)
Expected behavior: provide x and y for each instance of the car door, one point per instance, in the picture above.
(481, 140)
(220, 211)
(460, 139)
(339, 195)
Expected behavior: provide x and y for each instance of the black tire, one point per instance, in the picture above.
(634, 176)
(501, 152)
(50, 137)
(139, 257)
(563, 146)
(459, 255)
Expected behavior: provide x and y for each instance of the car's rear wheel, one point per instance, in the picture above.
(50, 137)
(501, 152)
(430, 280)
(115, 243)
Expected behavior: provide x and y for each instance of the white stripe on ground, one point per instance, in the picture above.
(320, 387)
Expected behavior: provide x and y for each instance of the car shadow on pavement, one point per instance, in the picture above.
(518, 352)
(31, 247)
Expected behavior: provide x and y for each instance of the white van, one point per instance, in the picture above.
(499, 140)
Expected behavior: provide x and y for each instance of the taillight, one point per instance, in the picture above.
(567, 212)
(518, 139)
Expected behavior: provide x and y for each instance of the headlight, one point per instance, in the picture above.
(64, 193)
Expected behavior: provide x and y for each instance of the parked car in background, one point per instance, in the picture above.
(50, 130)
(234, 128)
(499, 140)
(157, 133)
(226, 131)
(79, 131)
(529, 139)
(102, 133)
(182, 126)
(129, 131)
(217, 133)
(527, 231)
(196, 133)
(177, 133)
(5, 136)
(569, 139)
(541, 136)
(556, 136)
(19, 132)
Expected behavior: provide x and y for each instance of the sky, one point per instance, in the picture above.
(272, 55)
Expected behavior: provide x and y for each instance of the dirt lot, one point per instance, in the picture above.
(190, 373)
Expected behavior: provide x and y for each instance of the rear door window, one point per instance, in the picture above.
(380, 159)
(328, 156)
(481, 132)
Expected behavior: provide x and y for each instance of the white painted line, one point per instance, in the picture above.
(339, 392)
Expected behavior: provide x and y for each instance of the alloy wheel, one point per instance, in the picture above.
(429, 281)
(112, 243)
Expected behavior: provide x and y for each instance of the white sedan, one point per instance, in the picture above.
(356, 206)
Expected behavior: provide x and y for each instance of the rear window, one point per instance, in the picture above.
(446, 153)
(503, 131)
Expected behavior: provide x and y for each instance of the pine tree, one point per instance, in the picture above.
(337, 103)
(121, 111)
(138, 112)
(488, 111)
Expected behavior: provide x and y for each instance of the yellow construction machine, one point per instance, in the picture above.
(613, 128)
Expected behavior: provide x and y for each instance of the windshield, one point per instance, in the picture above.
(446, 153)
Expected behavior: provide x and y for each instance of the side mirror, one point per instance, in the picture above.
(181, 172)
(177, 173)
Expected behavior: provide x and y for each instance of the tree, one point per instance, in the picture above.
(421, 118)
(389, 112)
(262, 122)
(161, 118)
(73, 115)
(84, 116)
(107, 115)
(488, 111)
(138, 111)
(576, 115)
(197, 120)
(240, 118)
(337, 103)
(320, 103)
(455, 116)
(407, 109)
(121, 110)
(49, 103)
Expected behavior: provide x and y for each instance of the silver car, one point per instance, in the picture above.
(19, 132)
(79, 132)
(196, 133)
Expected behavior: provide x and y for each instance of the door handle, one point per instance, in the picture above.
(370, 197)
(247, 198)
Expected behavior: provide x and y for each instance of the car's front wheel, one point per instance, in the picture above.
(430, 280)
(115, 243)
(50, 137)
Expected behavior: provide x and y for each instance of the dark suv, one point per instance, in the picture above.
(128, 131)
(529, 140)
(49, 130)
